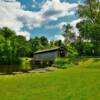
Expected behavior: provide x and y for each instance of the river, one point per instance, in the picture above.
(8, 69)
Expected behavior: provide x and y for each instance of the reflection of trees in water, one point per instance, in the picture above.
(9, 69)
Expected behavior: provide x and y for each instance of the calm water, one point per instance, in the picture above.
(14, 68)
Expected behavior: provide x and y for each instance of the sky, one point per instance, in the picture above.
(32, 18)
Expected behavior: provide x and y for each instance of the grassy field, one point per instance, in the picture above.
(78, 83)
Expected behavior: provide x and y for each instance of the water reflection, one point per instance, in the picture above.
(9, 69)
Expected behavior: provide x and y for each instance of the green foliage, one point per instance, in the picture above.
(88, 49)
(58, 43)
(87, 43)
(90, 10)
(84, 48)
(39, 43)
(6, 49)
(89, 63)
(79, 62)
(25, 64)
(63, 63)
(71, 50)
(12, 47)
(89, 31)
(7, 33)
(68, 34)
(89, 28)
(44, 41)
(23, 47)
(25, 60)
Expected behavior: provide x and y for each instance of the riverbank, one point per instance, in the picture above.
(88, 62)
(62, 63)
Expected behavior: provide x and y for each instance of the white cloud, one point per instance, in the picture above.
(8, 15)
(62, 24)
(53, 9)
(59, 26)
(74, 23)
(13, 15)
(8, 0)
(59, 37)
(25, 34)
(31, 19)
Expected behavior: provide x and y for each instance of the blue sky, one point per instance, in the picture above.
(38, 17)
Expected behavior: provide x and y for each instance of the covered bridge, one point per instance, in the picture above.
(49, 55)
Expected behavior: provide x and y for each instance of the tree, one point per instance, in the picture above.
(12, 47)
(39, 43)
(2, 41)
(68, 34)
(7, 33)
(7, 54)
(90, 11)
(22, 46)
(58, 43)
(44, 41)
(52, 44)
(35, 44)
(89, 27)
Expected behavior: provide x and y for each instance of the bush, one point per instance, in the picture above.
(71, 51)
(89, 63)
(25, 64)
(63, 63)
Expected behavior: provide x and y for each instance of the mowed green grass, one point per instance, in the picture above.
(64, 84)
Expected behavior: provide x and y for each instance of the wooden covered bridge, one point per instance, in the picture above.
(48, 56)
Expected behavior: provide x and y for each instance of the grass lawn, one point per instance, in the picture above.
(65, 84)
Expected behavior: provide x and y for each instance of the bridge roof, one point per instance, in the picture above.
(47, 50)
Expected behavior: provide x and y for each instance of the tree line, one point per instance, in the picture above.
(12, 47)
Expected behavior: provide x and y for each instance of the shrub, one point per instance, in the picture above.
(25, 64)
(71, 51)
(62, 63)
(90, 63)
